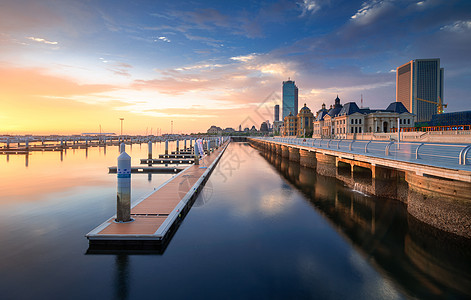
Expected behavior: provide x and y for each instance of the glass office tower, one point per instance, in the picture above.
(419, 84)
(290, 98)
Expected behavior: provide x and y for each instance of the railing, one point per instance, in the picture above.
(443, 155)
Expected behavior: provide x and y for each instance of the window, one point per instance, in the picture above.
(351, 129)
(359, 129)
(352, 121)
(356, 129)
(408, 121)
(359, 121)
(400, 121)
(356, 121)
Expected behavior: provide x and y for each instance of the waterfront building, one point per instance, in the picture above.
(419, 86)
(319, 121)
(305, 122)
(352, 120)
(214, 130)
(277, 125)
(264, 127)
(290, 125)
(290, 98)
(277, 113)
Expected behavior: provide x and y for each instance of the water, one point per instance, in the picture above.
(263, 228)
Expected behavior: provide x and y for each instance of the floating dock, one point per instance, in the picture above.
(157, 215)
(167, 161)
(113, 169)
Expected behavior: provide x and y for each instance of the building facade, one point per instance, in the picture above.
(290, 127)
(290, 98)
(305, 122)
(419, 86)
(352, 120)
(277, 113)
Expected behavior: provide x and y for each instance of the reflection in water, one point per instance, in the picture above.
(422, 260)
(121, 281)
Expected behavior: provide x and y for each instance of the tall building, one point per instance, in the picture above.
(277, 113)
(290, 98)
(419, 86)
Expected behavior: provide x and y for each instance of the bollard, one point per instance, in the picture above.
(197, 159)
(149, 156)
(123, 204)
(122, 148)
(166, 147)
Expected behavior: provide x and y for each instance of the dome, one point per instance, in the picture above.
(305, 110)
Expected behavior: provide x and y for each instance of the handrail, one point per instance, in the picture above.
(417, 151)
(463, 153)
(366, 146)
(386, 150)
(441, 154)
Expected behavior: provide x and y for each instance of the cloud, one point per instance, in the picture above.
(458, 26)
(309, 7)
(370, 11)
(244, 58)
(40, 40)
(162, 38)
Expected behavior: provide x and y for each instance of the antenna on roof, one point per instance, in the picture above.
(361, 101)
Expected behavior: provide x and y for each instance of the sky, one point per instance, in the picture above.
(68, 67)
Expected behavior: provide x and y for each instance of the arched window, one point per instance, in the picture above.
(356, 121)
(359, 121)
(359, 130)
(356, 129)
(351, 129)
(351, 121)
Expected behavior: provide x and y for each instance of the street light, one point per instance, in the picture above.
(121, 119)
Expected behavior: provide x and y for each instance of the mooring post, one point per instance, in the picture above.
(122, 147)
(123, 205)
(149, 155)
(178, 145)
(27, 144)
(197, 159)
(166, 147)
(184, 143)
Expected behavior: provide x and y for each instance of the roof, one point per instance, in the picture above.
(321, 115)
(397, 107)
(349, 108)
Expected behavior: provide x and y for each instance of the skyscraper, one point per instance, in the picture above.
(277, 113)
(290, 98)
(419, 86)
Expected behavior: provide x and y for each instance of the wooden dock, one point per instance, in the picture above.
(157, 215)
(113, 170)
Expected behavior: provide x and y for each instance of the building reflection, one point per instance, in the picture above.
(424, 261)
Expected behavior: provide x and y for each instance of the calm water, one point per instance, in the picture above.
(263, 228)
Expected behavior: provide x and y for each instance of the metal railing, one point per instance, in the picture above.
(442, 155)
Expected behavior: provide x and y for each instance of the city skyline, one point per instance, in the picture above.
(73, 67)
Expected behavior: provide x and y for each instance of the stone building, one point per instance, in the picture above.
(290, 127)
(351, 120)
(305, 122)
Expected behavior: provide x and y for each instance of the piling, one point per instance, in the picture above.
(197, 159)
(123, 205)
(166, 146)
(178, 145)
(122, 148)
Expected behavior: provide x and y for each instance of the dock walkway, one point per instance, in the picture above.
(157, 213)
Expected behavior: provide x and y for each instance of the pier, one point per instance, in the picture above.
(156, 216)
(434, 180)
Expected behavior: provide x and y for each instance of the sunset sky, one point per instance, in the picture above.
(70, 66)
